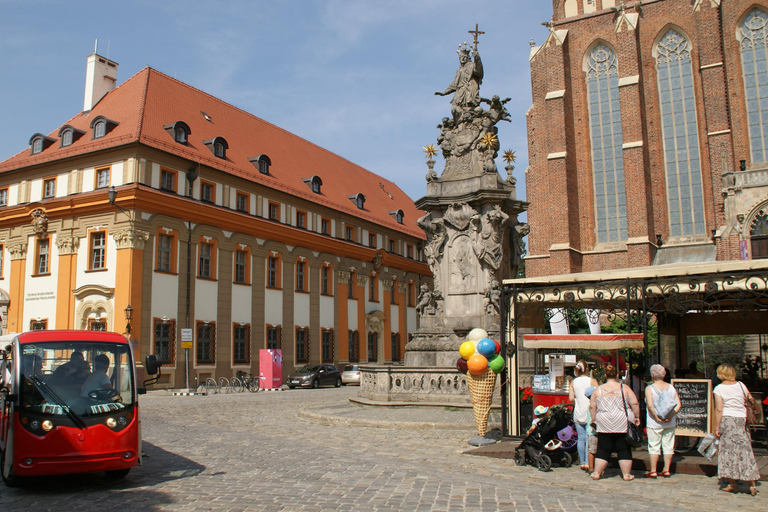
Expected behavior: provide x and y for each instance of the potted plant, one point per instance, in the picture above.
(526, 406)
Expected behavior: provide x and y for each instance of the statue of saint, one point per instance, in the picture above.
(466, 84)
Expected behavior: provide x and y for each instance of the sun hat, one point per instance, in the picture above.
(588, 392)
(540, 409)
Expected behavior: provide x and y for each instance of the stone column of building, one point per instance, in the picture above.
(66, 281)
(129, 280)
(18, 252)
(342, 330)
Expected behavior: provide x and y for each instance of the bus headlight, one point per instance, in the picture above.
(47, 425)
(111, 422)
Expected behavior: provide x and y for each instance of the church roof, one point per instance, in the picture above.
(142, 107)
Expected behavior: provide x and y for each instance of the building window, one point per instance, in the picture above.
(66, 138)
(241, 202)
(399, 216)
(241, 344)
(409, 291)
(99, 129)
(409, 251)
(373, 346)
(241, 267)
(349, 233)
(316, 184)
(395, 346)
(302, 345)
(49, 188)
(2, 259)
(354, 347)
(97, 324)
(680, 135)
(206, 257)
(3, 197)
(301, 219)
(207, 192)
(164, 252)
(262, 163)
(168, 180)
(98, 249)
(219, 150)
(325, 226)
(351, 285)
(165, 341)
(758, 235)
(274, 337)
(371, 240)
(753, 32)
(327, 345)
(301, 276)
(273, 272)
(393, 295)
(42, 256)
(392, 246)
(606, 137)
(37, 146)
(373, 288)
(180, 133)
(273, 211)
(325, 280)
(206, 343)
(359, 201)
(102, 177)
(38, 324)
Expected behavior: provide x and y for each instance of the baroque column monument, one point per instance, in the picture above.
(474, 238)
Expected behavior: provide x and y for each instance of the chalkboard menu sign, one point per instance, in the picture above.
(696, 396)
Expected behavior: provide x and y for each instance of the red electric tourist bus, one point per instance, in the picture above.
(68, 404)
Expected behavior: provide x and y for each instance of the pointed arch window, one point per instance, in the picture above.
(685, 193)
(607, 140)
(758, 234)
(753, 33)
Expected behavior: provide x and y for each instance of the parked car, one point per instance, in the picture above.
(351, 375)
(315, 375)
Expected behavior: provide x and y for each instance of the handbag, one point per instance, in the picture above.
(634, 435)
(751, 406)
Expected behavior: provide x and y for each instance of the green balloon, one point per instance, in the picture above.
(496, 363)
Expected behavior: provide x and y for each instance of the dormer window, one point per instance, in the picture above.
(397, 215)
(179, 131)
(218, 147)
(39, 142)
(101, 126)
(262, 163)
(359, 200)
(69, 135)
(314, 183)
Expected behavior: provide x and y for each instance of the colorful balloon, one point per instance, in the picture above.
(496, 363)
(461, 365)
(477, 365)
(498, 347)
(486, 347)
(477, 334)
(467, 350)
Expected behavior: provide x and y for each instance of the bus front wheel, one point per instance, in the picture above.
(117, 474)
(10, 479)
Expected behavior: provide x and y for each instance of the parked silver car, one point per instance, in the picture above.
(350, 375)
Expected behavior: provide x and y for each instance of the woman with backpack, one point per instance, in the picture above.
(662, 404)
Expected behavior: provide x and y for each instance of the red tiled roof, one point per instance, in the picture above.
(149, 100)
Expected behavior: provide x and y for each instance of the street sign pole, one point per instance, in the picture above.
(186, 344)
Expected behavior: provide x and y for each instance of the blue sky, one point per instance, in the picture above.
(354, 76)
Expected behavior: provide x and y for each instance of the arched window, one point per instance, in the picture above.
(754, 62)
(66, 138)
(758, 234)
(680, 135)
(180, 134)
(99, 129)
(606, 137)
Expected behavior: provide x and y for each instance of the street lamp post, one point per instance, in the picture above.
(128, 317)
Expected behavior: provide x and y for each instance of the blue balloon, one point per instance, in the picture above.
(486, 347)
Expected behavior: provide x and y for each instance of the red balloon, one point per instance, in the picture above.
(461, 365)
(498, 347)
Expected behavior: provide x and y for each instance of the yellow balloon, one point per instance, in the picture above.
(467, 350)
(477, 334)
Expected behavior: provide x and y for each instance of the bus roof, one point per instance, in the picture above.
(63, 335)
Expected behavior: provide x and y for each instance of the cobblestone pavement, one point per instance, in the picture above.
(314, 450)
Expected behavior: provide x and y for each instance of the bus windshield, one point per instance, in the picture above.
(72, 378)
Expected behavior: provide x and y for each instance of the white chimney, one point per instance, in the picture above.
(100, 78)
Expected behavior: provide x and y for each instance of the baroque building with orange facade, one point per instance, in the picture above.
(201, 216)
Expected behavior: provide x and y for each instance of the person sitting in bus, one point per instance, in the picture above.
(72, 371)
(98, 379)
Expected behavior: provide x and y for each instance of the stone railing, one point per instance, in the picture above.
(414, 384)
(748, 179)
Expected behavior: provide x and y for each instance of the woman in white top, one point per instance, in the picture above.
(735, 459)
(660, 431)
(581, 408)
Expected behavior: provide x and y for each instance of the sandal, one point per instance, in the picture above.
(584, 467)
(628, 478)
(596, 476)
(665, 474)
(752, 490)
(651, 474)
(728, 488)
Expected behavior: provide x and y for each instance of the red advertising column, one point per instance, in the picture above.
(271, 368)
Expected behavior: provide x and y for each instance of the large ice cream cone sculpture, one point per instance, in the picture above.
(481, 392)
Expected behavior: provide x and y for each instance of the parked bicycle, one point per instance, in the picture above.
(247, 381)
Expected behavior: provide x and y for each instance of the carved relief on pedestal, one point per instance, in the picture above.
(17, 251)
(387, 284)
(343, 276)
(461, 265)
(67, 245)
(130, 239)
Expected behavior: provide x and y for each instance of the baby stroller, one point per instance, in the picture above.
(553, 440)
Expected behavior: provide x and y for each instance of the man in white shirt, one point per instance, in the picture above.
(98, 379)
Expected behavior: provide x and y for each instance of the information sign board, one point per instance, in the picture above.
(694, 419)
